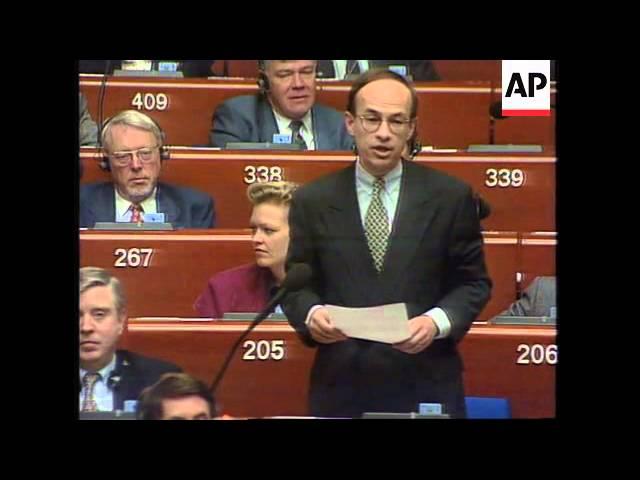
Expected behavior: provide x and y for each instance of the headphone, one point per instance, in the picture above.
(104, 159)
(263, 80)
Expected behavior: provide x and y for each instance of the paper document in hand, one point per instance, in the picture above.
(384, 323)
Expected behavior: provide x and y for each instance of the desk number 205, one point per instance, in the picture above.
(537, 354)
(263, 350)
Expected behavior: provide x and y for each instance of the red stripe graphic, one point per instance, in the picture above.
(526, 113)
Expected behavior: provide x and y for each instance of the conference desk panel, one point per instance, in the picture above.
(520, 188)
(164, 272)
(451, 114)
(269, 374)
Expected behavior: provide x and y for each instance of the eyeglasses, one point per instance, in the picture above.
(124, 158)
(371, 123)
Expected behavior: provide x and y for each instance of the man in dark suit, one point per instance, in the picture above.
(419, 70)
(382, 231)
(285, 105)
(134, 154)
(176, 396)
(109, 377)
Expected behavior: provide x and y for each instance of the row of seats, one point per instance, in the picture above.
(450, 115)
(269, 374)
(164, 272)
(519, 188)
(448, 70)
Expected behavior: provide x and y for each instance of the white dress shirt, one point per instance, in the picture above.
(123, 214)
(306, 131)
(102, 394)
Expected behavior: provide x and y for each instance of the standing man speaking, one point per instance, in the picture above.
(383, 231)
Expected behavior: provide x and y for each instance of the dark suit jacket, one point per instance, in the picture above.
(420, 70)
(183, 207)
(135, 373)
(434, 259)
(240, 289)
(249, 118)
(537, 299)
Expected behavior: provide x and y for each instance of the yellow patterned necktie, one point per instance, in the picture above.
(376, 226)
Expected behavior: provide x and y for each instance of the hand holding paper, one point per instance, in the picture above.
(384, 323)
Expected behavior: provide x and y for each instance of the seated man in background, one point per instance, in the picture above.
(248, 288)
(88, 134)
(109, 377)
(419, 70)
(537, 299)
(176, 396)
(134, 152)
(284, 105)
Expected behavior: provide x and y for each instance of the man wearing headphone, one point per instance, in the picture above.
(109, 376)
(134, 152)
(285, 106)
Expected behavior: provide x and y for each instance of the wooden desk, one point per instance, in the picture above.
(451, 114)
(269, 374)
(164, 272)
(520, 188)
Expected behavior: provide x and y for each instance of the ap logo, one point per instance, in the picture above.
(526, 90)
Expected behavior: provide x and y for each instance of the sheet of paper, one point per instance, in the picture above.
(384, 323)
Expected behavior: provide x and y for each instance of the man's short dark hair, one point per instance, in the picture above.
(380, 74)
(171, 385)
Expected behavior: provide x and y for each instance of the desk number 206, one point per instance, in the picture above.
(537, 354)
(263, 350)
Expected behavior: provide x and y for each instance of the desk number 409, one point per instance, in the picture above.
(537, 354)
(149, 101)
(263, 350)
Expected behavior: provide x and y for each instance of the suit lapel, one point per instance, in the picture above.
(124, 388)
(344, 217)
(415, 211)
(322, 130)
(167, 205)
(268, 126)
(103, 208)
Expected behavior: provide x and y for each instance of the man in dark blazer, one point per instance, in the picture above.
(419, 70)
(134, 154)
(287, 94)
(382, 231)
(108, 377)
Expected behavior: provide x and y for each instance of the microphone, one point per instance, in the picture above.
(297, 277)
(101, 94)
(495, 113)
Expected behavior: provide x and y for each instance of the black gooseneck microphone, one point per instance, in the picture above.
(495, 113)
(297, 277)
(103, 91)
